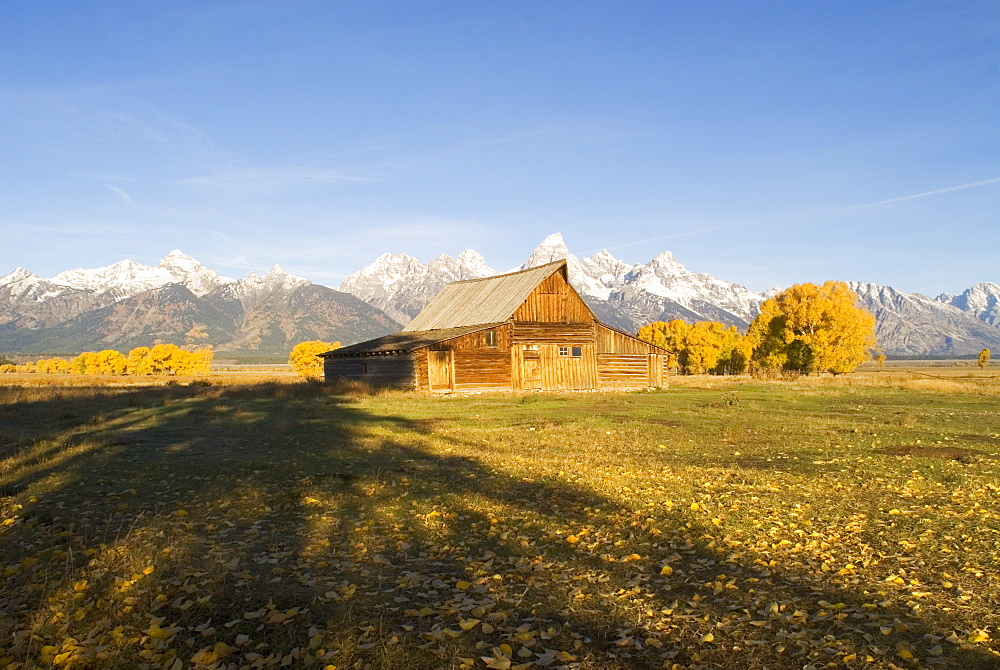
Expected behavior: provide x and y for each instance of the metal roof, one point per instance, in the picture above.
(405, 342)
(479, 301)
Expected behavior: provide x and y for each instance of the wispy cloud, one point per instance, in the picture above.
(916, 196)
(269, 179)
(122, 194)
(660, 238)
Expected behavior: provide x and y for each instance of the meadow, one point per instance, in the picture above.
(838, 522)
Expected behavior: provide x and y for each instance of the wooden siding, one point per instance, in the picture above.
(552, 333)
(611, 341)
(396, 370)
(481, 369)
(554, 301)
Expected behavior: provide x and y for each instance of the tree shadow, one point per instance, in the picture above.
(275, 526)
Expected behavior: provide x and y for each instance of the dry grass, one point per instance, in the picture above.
(731, 525)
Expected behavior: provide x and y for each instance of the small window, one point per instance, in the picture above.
(531, 347)
(564, 351)
(577, 351)
(364, 368)
(491, 339)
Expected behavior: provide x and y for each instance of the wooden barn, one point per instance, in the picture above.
(520, 331)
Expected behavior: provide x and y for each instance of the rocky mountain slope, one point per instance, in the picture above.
(911, 324)
(129, 304)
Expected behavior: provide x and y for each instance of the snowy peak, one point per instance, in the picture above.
(127, 278)
(553, 248)
(980, 300)
(124, 278)
(18, 275)
(185, 270)
(401, 285)
(646, 292)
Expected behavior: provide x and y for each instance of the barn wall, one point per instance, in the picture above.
(477, 341)
(482, 369)
(420, 373)
(554, 301)
(395, 370)
(623, 370)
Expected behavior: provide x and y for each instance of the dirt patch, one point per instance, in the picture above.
(661, 422)
(963, 454)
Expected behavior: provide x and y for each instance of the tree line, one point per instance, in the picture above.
(160, 359)
(805, 328)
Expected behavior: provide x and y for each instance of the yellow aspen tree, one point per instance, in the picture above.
(85, 363)
(137, 361)
(161, 359)
(109, 362)
(984, 358)
(667, 334)
(809, 328)
(304, 357)
(702, 347)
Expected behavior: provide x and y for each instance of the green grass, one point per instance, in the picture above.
(750, 526)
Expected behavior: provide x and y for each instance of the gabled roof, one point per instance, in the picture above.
(480, 301)
(405, 342)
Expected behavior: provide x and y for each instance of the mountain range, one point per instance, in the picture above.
(129, 304)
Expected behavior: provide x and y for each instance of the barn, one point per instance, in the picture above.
(527, 330)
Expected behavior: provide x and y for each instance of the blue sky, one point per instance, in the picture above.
(768, 143)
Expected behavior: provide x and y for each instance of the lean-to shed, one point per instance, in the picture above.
(521, 331)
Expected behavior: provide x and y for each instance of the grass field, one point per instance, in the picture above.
(714, 524)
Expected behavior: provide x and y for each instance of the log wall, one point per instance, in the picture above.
(552, 333)
(610, 341)
(482, 369)
(397, 370)
(623, 370)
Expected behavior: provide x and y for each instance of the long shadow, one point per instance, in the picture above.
(271, 526)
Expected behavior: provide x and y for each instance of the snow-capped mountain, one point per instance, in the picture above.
(980, 300)
(126, 278)
(401, 286)
(127, 304)
(660, 290)
(624, 295)
(913, 324)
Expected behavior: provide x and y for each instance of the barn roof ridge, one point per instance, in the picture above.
(406, 341)
(561, 261)
(487, 300)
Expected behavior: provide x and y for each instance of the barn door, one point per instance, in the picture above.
(439, 370)
(532, 370)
